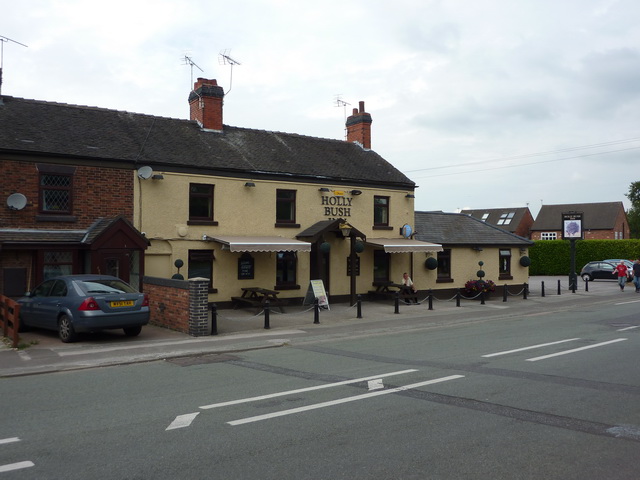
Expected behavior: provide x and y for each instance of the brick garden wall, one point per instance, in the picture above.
(179, 305)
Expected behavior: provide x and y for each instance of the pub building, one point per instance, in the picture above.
(243, 208)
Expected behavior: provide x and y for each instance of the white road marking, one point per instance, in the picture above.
(626, 303)
(627, 328)
(24, 355)
(566, 352)
(142, 344)
(15, 466)
(529, 348)
(308, 389)
(375, 384)
(9, 440)
(342, 400)
(182, 421)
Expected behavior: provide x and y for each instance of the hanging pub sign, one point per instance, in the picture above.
(572, 226)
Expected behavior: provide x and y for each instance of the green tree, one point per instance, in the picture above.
(633, 215)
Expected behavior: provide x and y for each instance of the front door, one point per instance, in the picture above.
(116, 263)
(320, 265)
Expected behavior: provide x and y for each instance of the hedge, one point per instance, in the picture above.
(553, 257)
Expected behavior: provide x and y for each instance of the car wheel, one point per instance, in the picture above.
(132, 331)
(65, 330)
(587, 278)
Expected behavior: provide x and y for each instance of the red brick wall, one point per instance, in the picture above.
(97, 192)
(169, 305)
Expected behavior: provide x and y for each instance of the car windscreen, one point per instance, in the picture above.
(107, 286)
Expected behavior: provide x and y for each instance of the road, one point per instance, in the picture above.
(551, 395)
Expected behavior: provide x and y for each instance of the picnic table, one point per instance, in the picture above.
(257, 297)
(384, 289)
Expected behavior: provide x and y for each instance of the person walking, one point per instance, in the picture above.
(623, 272)
(636, 275)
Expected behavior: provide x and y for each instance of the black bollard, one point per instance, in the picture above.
(542, 288)
(266, 315)
(482, 297)
(559, 290)
(214, 319)
(525, 291)
(316, 312)
(397, 303)
(359, 308)
(458, 298)
(504, 293)
(573, 286)
(586, 285)
(430, 300)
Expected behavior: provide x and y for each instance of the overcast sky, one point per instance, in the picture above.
(483, 103)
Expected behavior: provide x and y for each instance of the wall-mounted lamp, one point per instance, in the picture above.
(477, 249)
(356, 192)
(249, 184)
(157, 176)
(324, 189)
(345, 229)
(410, 195)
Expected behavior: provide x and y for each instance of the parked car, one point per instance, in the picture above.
(616, 261)
(72, 304)
(598, 271)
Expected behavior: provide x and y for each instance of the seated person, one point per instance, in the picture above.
(408, 287)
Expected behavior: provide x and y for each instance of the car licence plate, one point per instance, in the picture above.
(125, 303)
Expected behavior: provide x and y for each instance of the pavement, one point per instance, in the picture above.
(239, 330)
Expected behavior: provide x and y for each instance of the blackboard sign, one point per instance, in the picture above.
(349, 266)
(245, 267)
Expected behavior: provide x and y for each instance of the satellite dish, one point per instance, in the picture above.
(16, 201)
(407, 230)
(145, 173)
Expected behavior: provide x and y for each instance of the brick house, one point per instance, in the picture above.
(514, 220)
(600, 221)
(64, 209)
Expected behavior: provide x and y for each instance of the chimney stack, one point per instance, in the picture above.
(359, 127)
(205, 104)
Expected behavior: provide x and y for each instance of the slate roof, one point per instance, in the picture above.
(596, 216)
(496, 213)
(31, 236)
(451, 229)
(91, 133)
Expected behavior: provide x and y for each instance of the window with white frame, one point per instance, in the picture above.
(505, 218)
(548, 236)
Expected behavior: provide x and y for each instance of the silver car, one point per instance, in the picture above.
(71, 304)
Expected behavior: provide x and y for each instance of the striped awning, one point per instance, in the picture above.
(403, 245)
(261, 244)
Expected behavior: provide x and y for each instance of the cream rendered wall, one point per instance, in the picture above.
(162, 212)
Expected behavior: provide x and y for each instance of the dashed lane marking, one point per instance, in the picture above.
(182, 421)
(529, 348)
(566, 352)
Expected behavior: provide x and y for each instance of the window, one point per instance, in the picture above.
(505, 218)
(444, 265)
(380, 211)
(200, 203)
(548, 236)
(286, 267)
(380, 266)
(57, 263)
(485, 216)
(286, 207)
(505, 264)
(55, 193)
(201, 265)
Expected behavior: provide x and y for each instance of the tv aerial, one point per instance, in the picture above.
(341, 103)
(189, 61)
(225, 59)
(4, 40)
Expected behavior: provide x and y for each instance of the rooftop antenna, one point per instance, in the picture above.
(189, 61)
(343, 104)
(4, 40)
(225, 59)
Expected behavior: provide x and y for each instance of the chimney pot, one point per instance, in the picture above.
(361, 104)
